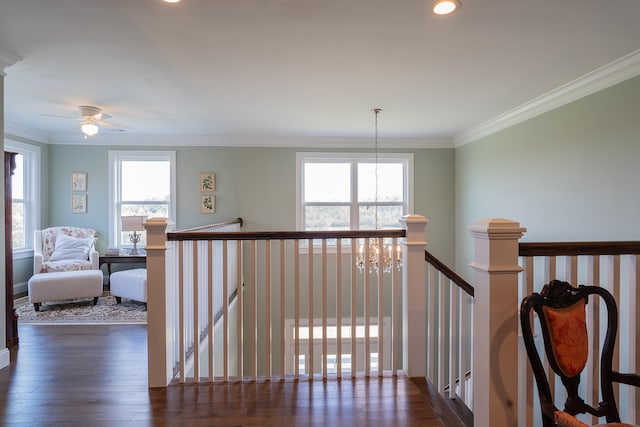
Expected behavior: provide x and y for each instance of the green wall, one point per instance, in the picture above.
(570, 174)
(257, 184)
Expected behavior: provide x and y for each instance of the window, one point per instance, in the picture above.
(140, 183)
(25, 196)
(338, 191)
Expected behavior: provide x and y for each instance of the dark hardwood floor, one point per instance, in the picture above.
(96, 376)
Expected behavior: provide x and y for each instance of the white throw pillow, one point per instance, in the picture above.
(72, 248)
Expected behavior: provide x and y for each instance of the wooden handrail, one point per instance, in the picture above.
(217, 224)
(450, 274)
(285, 235)
(578, 248)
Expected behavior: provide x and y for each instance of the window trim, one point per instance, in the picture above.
(32, 161)
(115, 158)
(303, 157)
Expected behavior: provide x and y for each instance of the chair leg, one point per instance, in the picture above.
(95, 300)
(36, 306)
(118, 300)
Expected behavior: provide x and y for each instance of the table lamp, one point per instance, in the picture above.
(133, 223)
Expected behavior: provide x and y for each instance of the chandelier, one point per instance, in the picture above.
(373, 255)
(377, 261)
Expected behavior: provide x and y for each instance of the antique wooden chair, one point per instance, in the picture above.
(562, 314)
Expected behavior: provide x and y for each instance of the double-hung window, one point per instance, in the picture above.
(343, 191)
(25, 197)
(141, 183)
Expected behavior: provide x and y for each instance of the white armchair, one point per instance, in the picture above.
(57, 249)
(65, 266)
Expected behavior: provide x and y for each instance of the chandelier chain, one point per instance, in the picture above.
(377, 256)
(376, 112)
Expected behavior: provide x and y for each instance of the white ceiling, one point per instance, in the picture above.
(302, 71)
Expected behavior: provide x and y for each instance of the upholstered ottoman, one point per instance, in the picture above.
(130, 284)
(65, 285)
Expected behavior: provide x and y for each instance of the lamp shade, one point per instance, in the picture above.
(133, 223)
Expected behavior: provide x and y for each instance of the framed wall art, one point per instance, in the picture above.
(78, 203)
(207, 204)
(78, 181)
(207, 182)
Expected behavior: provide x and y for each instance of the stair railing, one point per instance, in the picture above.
(343, 321)
(449, 338)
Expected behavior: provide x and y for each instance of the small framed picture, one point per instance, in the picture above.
(78, 181)
(208, 204)
(207, 182)
(78, 203)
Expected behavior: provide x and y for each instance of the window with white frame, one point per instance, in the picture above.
(25, 191)
(141, 183)
(338, 191)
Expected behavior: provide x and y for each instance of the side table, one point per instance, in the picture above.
(121, 259)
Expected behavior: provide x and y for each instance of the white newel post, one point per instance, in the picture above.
(158, 332)
(414, 299)
(495, 322)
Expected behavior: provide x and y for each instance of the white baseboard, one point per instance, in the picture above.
(5, 358)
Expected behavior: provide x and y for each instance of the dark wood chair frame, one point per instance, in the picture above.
(559, 294)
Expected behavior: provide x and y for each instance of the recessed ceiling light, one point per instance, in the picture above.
(445, 7)
(171, 1)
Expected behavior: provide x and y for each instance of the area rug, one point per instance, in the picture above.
(82, 311)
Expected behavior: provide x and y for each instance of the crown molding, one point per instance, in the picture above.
(7, 59)
(608, 75)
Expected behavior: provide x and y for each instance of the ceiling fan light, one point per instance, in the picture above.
(445, 7)
(89, 129)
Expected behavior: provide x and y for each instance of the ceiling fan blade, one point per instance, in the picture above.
(62, 117)
(111, 124)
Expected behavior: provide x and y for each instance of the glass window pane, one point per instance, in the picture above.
(149, 210)
(327, 218)
(146, 180)
(388, 217)
(17, 180)
(18, 232)
(390, 182)
(327, 182)
(25, 184)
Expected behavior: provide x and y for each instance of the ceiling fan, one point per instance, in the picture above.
(90, 118)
